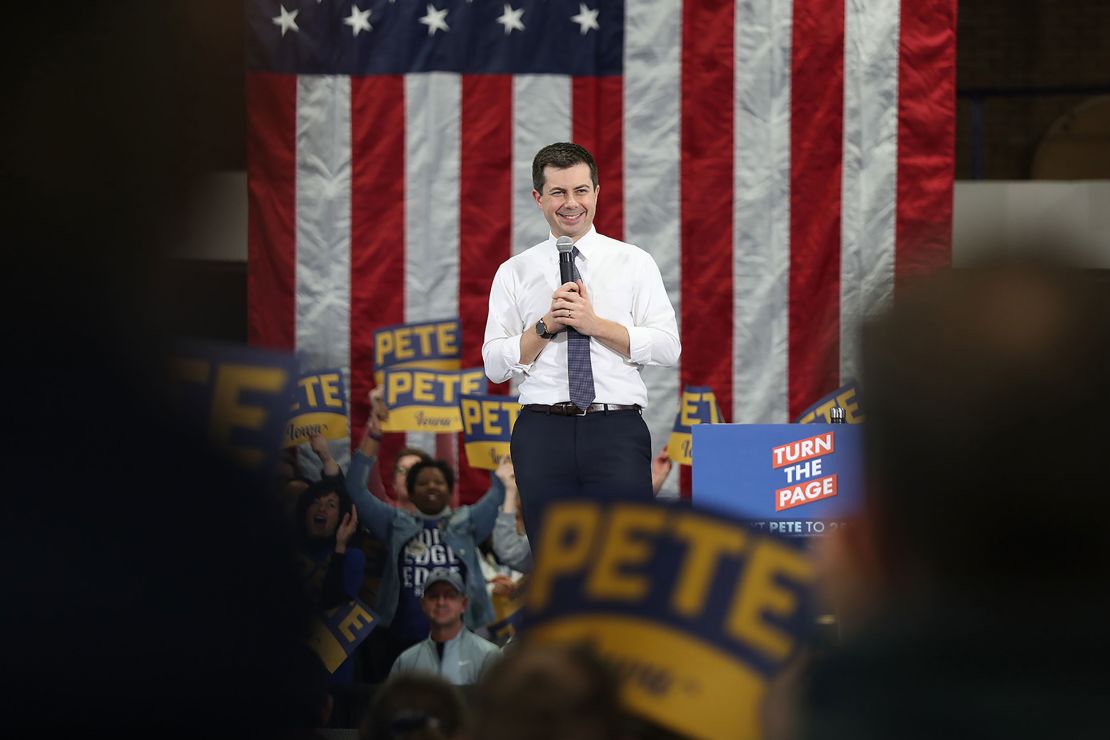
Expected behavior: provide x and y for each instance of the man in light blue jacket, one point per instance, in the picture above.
(451, 651)
(433, 536)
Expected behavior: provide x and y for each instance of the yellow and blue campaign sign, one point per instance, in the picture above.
(428, 400)
(697, 406)
(335, 637)
(509, 617)
(239, 396)
(697, 612)
(319, 407)
(795, 480)
(846, 397)
(431, 345)
(487, 428)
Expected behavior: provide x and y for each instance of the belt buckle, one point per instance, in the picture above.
(581, 412)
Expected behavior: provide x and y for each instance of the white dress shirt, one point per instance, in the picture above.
(624, 286)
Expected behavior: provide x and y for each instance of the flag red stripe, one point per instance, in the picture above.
(485, 224)
(597, 123)
(926, 136)
(377, 233)
(816, 135)
(706, 198)
(271, 195)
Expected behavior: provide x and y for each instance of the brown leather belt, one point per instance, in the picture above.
(567, 408)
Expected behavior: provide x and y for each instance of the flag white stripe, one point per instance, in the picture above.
(871, 38)
(652, 212)
(432, 145)
(323, 221)
(761, 211)
(541, 116)
(432, 130)
(852, 153)
(322, 304)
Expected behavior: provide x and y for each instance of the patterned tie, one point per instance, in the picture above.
(579, 370)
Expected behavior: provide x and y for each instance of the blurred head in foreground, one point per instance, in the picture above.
(974, 587)
(416, 707)
(548, 692)
(986, 393)
(160, 596)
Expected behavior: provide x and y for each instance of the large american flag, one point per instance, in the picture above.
(786, 163)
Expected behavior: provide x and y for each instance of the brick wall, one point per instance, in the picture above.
(1017, 45)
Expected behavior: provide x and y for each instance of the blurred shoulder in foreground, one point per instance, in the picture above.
(975, 587)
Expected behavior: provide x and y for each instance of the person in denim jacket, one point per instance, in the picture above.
(434, 535)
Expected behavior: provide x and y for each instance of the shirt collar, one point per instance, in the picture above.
(454, 639)
(586, 244)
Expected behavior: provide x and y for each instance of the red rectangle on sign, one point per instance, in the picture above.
(802, 450)
(805, 492)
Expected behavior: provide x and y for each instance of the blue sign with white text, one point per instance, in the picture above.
(790, 479)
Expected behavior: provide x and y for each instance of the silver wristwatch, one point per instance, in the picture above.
(541, 329)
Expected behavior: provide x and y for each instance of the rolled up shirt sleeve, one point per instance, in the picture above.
(504, 327)
(653, 336)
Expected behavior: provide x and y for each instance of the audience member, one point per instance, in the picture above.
(329, 468)
(397, 493)
(661, 466)
(332, 572)
(416, 707)
(404, 461)
(432, 536)
(510, 543)
(549, 692)
(502, 581)
(973, 592)
(324, 539)
(451, 651)
(290, 481)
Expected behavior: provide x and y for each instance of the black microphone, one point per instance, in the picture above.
(566, 260)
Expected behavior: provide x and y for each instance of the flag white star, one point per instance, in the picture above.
(435, 20)
(358, 20)
(286, 21)
(586, 19)
(511, 19)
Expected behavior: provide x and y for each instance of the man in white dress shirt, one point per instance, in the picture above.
(578, 346)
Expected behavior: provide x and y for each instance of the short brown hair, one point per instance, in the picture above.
(561, 155)
(415, 706)
(405, 452)
(548, 691)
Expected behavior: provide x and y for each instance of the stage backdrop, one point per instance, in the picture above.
(786, 163)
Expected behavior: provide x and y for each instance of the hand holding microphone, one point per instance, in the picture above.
(554, 321)
(566, 259)
(570, 305)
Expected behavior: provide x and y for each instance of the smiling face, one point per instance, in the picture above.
(430, 491)
(443, 605)
(322, 517)
(568, 200)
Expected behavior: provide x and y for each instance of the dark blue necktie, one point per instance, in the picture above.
(579, 370)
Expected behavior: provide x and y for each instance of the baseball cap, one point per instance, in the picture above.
(447, 576)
